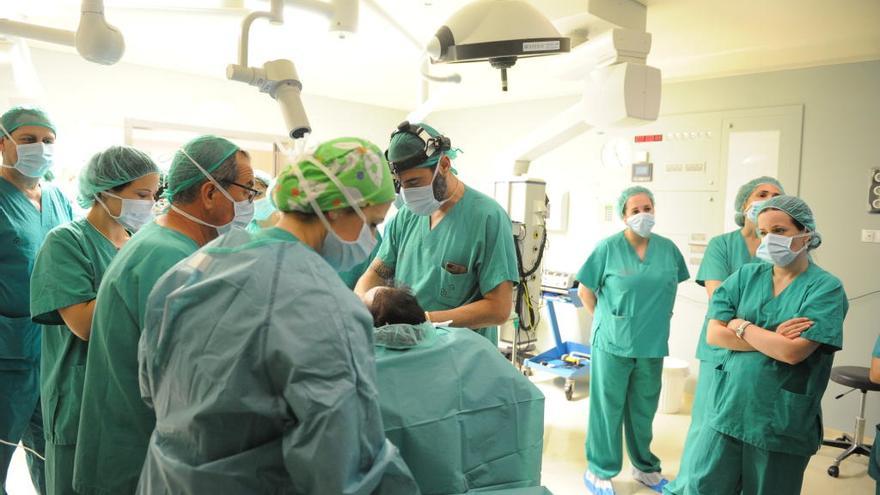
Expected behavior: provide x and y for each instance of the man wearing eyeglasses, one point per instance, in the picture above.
(211, 189)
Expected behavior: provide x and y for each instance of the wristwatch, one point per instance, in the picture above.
(741, 329)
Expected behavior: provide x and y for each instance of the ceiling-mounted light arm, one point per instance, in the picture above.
(275, 16)
(95, 39)
(454, 78)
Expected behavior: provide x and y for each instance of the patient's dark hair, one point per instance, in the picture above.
(393, 305)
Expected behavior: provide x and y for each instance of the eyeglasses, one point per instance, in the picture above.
(252, 193)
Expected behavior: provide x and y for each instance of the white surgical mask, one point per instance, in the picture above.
(421, 200)
(641, 224)
(776, 249)
(340, 254)
(134, 214)
(34, 159)
(243, 210)
(755, 207)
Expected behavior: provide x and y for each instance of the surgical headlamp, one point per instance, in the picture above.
(433, 145)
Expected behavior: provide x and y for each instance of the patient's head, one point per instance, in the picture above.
(393, 305)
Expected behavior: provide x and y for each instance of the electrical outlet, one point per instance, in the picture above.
(868, 235)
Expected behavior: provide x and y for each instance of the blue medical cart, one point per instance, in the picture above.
(550, 360)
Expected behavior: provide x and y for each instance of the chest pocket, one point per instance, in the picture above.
(456, 288)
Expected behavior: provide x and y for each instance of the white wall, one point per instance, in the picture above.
(89, 104)
(841, 126)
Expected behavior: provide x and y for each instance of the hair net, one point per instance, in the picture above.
(208, 151)
(628, 193)
(356, 163)
(403, 336)
(745, 191)
(21, 116)
(404, 145)
(797, 209)
(113, 167)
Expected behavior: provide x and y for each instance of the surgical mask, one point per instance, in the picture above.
(340, 254)
(755, 207)
(776, 249)
(34, 159)
(641, 224)
(243, 210)
(263, 209)
(134, 214)
(421, 200)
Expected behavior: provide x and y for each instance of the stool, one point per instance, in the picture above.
(857, 378)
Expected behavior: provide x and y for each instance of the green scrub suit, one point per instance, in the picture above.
(259, 364)
(468, 254)
(352, 276)
(724, 255)
(68, 271)
(766, 417)
(629, 340)
(22, 230)
(115, 423)
(874, 462)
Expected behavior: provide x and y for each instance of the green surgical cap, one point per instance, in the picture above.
(21, 116)
(404, 145)
(628, 193)
(357, 164)
(403, 336)
(208, 151)
(113, 167)
(745, 191)
(797, 209)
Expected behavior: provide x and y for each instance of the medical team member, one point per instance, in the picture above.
(452, 245)
(784, 321)
(724, 255)
(210, 186)
(258, 360)
(265, 214)
(118, 187)
(29, 209)
(629, 284)
(874, 462)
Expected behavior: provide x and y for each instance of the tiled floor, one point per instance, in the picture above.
(563, 465)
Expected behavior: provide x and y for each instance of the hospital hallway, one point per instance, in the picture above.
(563, 461)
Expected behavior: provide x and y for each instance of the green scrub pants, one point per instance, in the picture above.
(699, 412)
(730, 466)
(59, 468)
(623, 392)
(21, 419)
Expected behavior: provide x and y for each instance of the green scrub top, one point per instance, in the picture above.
(474, 238)
(68, 271)
(756, 399)
(115, 423)
(22, 230)
(634, 297)
(724, 255)
(352, 276)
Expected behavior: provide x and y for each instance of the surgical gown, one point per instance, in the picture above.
(258, 362)
(766, 417)
(22, 230)
(465, 256)
(629, 340)
(457, 432)
(724, 255)
(115, 424)
(68, 271)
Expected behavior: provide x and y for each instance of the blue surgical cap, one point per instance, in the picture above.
(745, 191)
(113, 167)
(405, 145)
(208, 151)
(22, 116)
(797, 209)
(628, 193)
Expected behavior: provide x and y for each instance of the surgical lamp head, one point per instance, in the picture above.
(96, 40)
